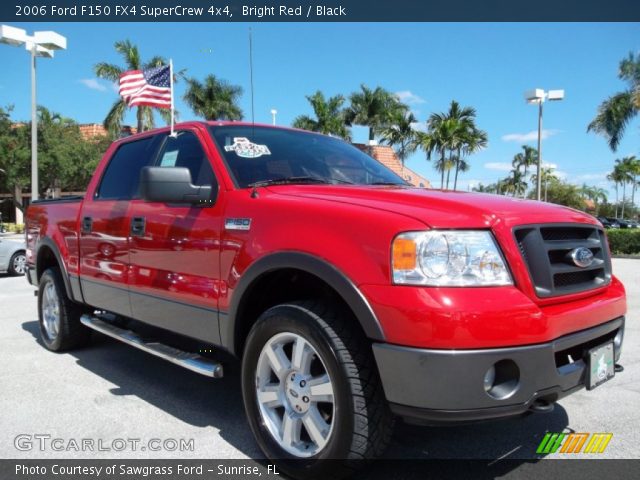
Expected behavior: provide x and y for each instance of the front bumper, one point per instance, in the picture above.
(434, 386)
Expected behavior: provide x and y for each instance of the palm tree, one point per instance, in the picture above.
(454, 133)
(438, 139)
(615, 178)
(622, 167)
(631, 166)
(461, 165)
(618, 110)
(373, 108)
(586, 191)
(516, 182)
(474, 140)
(599, 196)
(525, 159)
(144, 114)
(213, 99)
(546, 175)
(402, 135)
(330, 117)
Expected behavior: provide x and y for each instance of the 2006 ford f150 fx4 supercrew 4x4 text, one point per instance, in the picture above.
(350, 297)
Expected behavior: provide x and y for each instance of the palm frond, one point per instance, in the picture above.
(113, 121)
(129, 53)
(612, 118)
(107, 71)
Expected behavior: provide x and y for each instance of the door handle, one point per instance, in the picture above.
(87, 224)
(137, 226)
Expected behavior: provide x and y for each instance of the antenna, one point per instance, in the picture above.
(251, 78)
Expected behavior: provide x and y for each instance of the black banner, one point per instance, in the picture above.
(119, 469)
(318, 10)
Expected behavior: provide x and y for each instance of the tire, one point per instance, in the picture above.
(18, 263)
(356, 423)
(59, 317)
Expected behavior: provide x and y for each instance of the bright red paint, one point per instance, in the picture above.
(195, 261)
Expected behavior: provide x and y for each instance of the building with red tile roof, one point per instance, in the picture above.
(387, 156)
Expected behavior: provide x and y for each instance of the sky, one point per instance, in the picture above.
(488, 66)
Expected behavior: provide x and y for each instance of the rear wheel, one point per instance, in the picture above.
(59, 317)
(18, 263)
(312, 392)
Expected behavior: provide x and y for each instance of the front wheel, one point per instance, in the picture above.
(311, 390)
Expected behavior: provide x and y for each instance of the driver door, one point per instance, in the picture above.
(174, 250)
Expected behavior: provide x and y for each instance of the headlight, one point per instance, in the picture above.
(446, 258)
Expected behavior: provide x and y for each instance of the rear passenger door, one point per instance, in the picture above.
(104, 227)
(174, 249)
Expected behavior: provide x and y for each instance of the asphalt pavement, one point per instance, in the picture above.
(110, 393)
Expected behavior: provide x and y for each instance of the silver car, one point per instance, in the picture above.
(13, 258)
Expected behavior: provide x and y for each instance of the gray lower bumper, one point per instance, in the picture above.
(448, 385)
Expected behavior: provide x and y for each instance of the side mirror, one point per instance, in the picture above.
(171, 185)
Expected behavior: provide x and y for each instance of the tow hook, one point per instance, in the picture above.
(542, 406)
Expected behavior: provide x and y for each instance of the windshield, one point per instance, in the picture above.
(260, 155)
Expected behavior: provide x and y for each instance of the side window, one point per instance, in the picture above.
(185, 150)
(122, 176)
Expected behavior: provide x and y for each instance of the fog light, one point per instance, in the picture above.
(489, 378)
(502, 380)
(617, 343)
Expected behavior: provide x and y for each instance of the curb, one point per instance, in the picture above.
(633, 257)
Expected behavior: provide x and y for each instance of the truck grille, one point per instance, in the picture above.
(546, 249)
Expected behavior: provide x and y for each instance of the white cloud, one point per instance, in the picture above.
(469, 184)
(408, 97)
(93, 84)
(528, 137)
(549, 165)
(500, 166)
(419, 126)
(592, 176)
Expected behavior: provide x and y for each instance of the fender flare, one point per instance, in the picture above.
(49, 243)
(313, 265)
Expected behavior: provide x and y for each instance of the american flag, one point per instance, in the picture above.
(150, 87)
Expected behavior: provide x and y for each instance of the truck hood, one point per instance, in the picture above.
(442, 209)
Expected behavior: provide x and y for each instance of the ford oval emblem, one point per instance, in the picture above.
(582, 257)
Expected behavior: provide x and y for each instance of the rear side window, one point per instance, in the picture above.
(121, 178)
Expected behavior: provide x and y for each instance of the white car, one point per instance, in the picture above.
(13, 258)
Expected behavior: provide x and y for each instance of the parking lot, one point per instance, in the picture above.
(111, 391)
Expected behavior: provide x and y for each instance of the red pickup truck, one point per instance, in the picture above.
(349, 296)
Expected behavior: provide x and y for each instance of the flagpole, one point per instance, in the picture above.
(171, 84)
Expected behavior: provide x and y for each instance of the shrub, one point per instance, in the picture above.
(624, 241)
(14, 227)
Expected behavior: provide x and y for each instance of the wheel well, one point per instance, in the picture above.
(282, 286)
(46, 259)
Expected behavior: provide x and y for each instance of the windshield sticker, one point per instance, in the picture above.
(245, 149)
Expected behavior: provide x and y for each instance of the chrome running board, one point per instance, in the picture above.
(190, 361)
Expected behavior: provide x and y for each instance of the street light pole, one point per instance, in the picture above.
(539, 167)
(34, 128)
(40, 44)
(538, 96)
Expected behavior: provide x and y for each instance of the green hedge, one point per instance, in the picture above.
(624, 241)
(14, 227)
